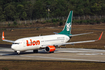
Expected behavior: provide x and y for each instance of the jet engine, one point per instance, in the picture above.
(50, 49)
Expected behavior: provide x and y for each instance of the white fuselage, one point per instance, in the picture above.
(33, 43)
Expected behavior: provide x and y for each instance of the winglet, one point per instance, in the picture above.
(6, 39)
(3, 35)
(100, 36)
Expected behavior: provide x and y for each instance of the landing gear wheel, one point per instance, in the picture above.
(51, 52)
(17, 52)
(35, 51)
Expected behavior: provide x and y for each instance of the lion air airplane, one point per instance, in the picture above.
(47, 42)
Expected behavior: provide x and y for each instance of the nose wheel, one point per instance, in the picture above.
(18, 52)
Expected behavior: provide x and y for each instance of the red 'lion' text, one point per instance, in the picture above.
(32, 43)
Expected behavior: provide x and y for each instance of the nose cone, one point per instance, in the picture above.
(14, 47)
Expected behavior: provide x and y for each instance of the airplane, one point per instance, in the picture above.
(47, 42)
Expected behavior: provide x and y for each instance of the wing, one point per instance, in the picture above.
(84, 41)
(75, 42)
(80, 34)
(3, 38)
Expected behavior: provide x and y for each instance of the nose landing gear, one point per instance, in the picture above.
(18, 52)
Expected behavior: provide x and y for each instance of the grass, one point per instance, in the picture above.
(46, 65)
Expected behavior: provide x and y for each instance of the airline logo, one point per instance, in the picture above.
(68, 26)
(32, 43)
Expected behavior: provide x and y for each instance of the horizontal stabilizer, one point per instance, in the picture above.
(55, 32)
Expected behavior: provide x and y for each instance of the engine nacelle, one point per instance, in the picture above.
(50, 48)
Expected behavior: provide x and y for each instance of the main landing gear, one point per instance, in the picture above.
(35, 51)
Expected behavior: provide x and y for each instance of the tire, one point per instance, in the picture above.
(35, 51)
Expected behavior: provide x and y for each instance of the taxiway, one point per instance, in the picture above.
(62, 54)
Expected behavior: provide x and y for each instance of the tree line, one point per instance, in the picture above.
(11, 10)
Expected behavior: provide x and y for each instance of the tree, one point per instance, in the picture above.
(9, 12)
(2, 16)
(28, 9)
(20, 10)
(32, 9)
(96, 8)
(39, 9)
(24, 15)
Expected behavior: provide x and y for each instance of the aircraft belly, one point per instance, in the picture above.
(27, 48)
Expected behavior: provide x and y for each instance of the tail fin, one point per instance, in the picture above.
(67, 28)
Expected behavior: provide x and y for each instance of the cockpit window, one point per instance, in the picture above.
(15, 43)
